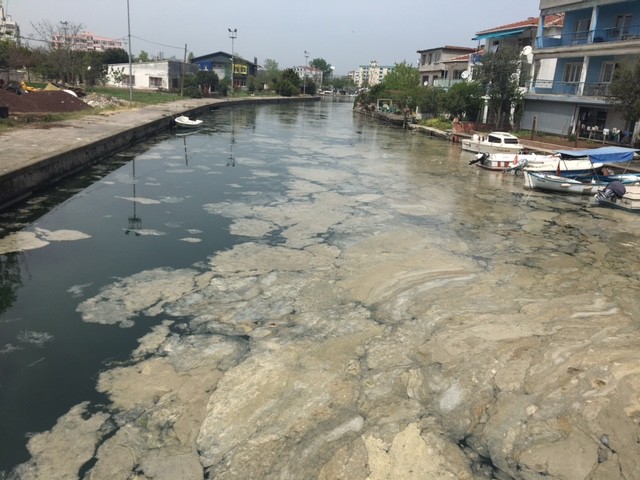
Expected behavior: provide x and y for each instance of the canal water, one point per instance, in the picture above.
(91, 267)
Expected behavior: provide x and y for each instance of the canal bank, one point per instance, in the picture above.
(35, 158)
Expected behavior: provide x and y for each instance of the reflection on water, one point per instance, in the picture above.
(259, 311)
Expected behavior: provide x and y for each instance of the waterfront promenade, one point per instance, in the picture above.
(34, 158)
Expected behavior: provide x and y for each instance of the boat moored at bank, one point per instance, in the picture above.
(494, 142)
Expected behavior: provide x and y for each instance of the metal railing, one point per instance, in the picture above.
(588, 37)
(583, 89)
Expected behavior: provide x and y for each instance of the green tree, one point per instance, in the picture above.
(289, 83)
(402, 77)
(403, 85)
(142, 56)
(6, 47)
(464, 99)
(501, 74)
(201, 84)
(625, 90)
(208, 80)
(321, 64)
(269, 74)
(115, 55)
(343, 83)
(431, 100)
(95, 68)
(16, 56)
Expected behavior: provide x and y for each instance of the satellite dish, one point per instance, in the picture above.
(464, 75)
(527, 50)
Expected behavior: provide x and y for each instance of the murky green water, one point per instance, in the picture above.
(309, 178)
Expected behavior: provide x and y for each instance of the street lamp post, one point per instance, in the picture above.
(130, 68)
(232, 34)
(304, 73)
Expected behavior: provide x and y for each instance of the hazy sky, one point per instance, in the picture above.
(346, 33)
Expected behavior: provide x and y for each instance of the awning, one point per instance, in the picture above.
(602, 155)
(510, 33)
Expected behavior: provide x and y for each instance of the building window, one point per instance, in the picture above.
(155, 82)
(572, 73)
(622, 25)
(125, 80)
(582, 29)
(606, 73)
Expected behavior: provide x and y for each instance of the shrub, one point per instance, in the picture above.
(438, 123)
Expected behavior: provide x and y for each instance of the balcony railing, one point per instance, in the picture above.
(445, 82)
(588, 37)
(583, 89)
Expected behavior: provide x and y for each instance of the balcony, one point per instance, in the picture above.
(445, 82)
(590, 37)
(586, 89)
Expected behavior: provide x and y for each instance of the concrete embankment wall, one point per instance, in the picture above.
(30, 162)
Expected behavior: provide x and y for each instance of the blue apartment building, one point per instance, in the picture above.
(596, 37)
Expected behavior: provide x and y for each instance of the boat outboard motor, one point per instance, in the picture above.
(480, 157)
(517, 168)
(612, 192)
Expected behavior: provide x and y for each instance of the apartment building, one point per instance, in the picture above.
(370, 75)
(597, 36)
(84, 41)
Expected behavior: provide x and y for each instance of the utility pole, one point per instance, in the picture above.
(232, 34)
(182, 69)
(130, 67)
(304, 73)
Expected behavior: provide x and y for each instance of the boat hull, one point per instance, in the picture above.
(477, 147)
(186, 122)
(555, 183)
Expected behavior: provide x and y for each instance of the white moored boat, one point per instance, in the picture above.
(501, 162)
(186, 122)
(494, 142)
(576, 186)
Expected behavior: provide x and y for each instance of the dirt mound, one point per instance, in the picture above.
(42, 102)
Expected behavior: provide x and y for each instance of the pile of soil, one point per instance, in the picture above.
(45, 101)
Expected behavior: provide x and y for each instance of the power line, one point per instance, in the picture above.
(156, 43)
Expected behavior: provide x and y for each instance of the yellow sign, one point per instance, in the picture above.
(240, 69)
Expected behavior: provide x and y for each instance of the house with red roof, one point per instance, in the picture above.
(518, 35)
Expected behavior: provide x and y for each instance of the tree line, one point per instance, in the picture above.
(67, 62)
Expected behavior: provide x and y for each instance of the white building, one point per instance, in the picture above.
(9, 30)
(162, 75)
(312, 73)
(370, 75)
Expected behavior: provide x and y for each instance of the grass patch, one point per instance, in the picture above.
(437, 123)
(139, 96)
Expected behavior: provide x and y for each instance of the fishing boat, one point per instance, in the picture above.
(186, 122)
(576, 185)
(618, 195)
(494, 142)
(572, 163)
(504, 162)
(566, 163)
